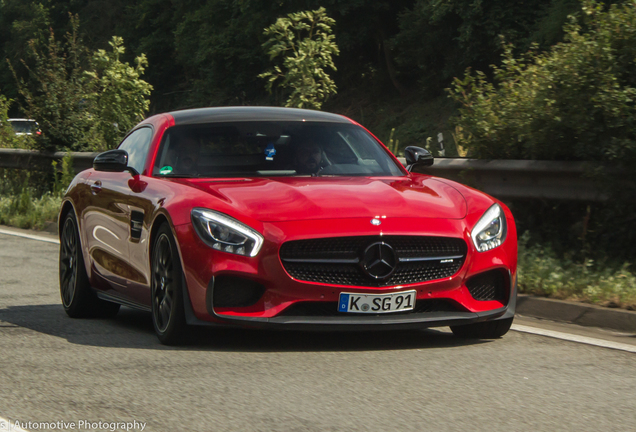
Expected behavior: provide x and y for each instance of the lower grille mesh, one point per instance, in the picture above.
(490, 285)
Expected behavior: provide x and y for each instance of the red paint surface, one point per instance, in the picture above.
(281, 209)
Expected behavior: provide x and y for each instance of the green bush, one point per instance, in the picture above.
(542, 272)
(24, 211)
(8, 138)
(573, 102)
(82, 101)
(31, 199)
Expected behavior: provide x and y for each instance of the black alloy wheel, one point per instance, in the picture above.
(168, 314)
(68, 262)
(78, 299)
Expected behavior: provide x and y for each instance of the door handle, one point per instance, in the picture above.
(96, 187)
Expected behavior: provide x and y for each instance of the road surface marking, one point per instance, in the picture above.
(516, 327)
(29, 236)
(574, 338)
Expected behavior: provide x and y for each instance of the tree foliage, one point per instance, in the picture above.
(304, 45)
(439, 39)
(54, 93)
(82, 102)
(8, 138)
(573, 102)
(118, 97)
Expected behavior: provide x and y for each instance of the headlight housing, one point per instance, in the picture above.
(221, 232)
(490, 231)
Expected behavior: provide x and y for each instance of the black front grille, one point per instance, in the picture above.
(338, 261)
(490, 285)
(325, 309)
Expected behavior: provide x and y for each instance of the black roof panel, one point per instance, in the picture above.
(252, 113)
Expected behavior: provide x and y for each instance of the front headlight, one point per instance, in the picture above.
(490, 231)
(221, 232)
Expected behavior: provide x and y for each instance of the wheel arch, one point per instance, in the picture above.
(160, 219)
(67, 207)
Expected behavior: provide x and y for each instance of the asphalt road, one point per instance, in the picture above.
(53, 368)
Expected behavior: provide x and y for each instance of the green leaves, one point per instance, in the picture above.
(8, 139)
(117, 94)
(83, 101)
(303, 45)
(573, 102)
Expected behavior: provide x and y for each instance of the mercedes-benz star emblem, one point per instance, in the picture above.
(379, 260)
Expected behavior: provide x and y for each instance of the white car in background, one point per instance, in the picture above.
(25, 126)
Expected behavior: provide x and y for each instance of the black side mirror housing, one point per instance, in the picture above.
(417, 156)
(113, 161)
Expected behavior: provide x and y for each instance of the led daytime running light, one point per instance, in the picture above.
(494, 215)
(205, 216)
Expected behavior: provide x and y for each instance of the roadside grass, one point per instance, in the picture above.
(24, 211)
(541, 272)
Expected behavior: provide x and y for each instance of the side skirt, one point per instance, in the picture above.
(124, 302)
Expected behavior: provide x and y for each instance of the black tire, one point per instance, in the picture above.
(483, 330)
(167, 285)
(78, 299)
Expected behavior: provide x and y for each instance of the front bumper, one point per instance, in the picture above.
(202, 265)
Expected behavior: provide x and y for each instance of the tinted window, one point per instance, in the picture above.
(136, 144)
(246, 149)
(23, 126)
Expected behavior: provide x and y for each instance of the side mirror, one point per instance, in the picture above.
(417, 156)
(113, 161)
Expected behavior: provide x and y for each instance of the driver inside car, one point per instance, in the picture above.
(308, 158)
(186, 153)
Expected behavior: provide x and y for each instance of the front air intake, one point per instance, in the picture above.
(490, 285)
(230, 291)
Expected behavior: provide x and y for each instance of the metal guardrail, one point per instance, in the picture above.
(39, 161)
(524, 179)
(504, 179)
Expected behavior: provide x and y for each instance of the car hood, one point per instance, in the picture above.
(301, 198)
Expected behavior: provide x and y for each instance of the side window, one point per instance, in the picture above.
(136, 144)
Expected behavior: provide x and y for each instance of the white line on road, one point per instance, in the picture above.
(517, 327)
(574, 338)
(29, 236)
(6, 425)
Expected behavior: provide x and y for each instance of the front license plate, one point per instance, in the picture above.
(377, 303)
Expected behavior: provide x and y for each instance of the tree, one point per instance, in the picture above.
(82, 102)
(303, 45)
(439, 39)
(8, 138)
(55, 93)
(573, 102)
(117, 94)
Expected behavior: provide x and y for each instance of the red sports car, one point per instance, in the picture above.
(281, 218)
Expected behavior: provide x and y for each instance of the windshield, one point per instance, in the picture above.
(23, 126)
(268, 148)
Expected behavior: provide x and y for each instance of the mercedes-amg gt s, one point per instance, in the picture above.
(281, 218)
